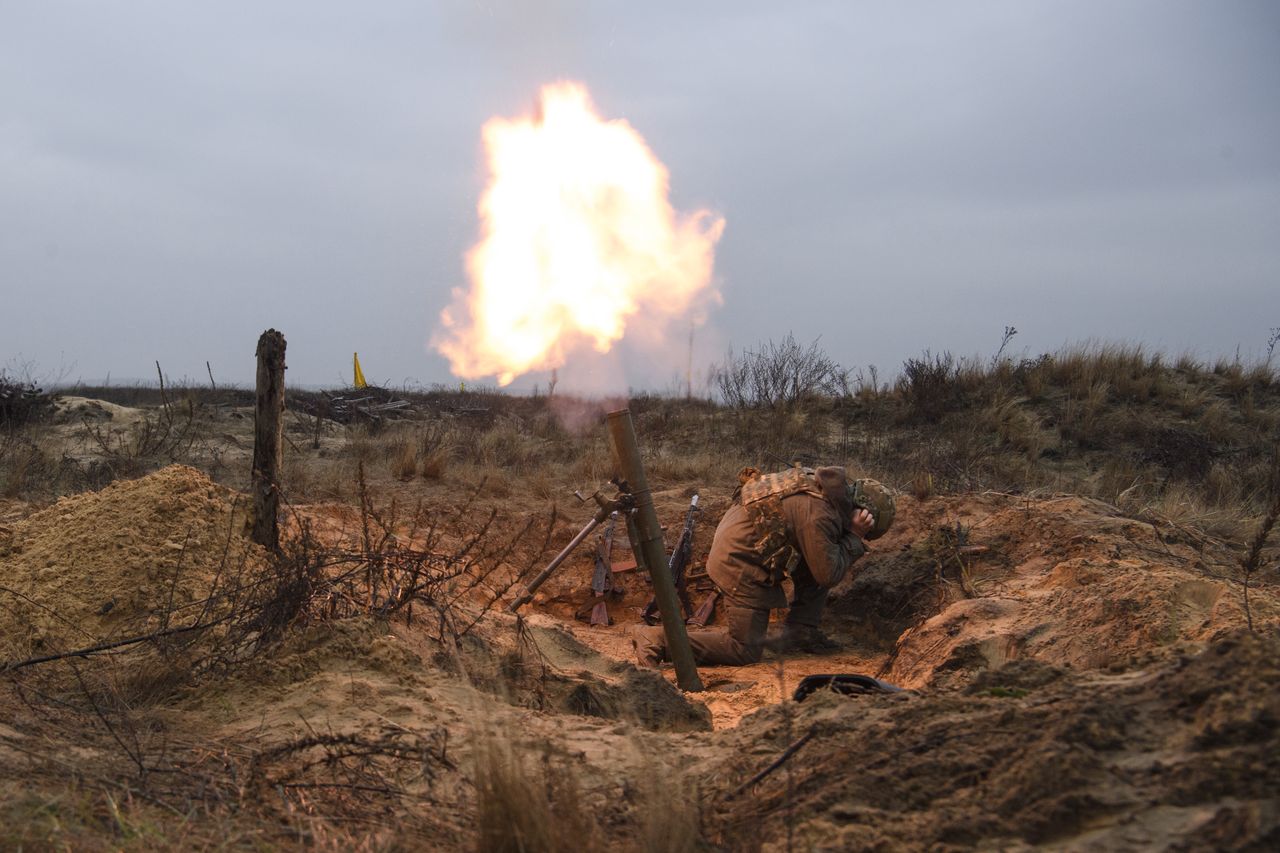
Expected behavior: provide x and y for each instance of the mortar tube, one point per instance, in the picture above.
(626, 455)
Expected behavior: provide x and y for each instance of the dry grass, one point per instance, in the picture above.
(529, 804)
(404, 459)
(1096, 419)
(1216, 422)
(669, 819)
(535, 799)
(1185, 506)
(1016, 426)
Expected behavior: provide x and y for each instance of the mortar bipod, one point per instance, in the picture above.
(621, 502)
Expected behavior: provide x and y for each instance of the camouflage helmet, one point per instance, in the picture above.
(876, 499)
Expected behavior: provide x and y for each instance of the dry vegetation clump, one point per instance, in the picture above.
(527, 803)
(22, 402)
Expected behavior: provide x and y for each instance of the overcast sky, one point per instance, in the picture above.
(177, 177)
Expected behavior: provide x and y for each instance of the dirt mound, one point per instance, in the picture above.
(1183, 752)
(108, 564)
(982, 580)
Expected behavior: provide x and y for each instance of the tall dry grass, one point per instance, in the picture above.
(528, 804)
(1098, 419)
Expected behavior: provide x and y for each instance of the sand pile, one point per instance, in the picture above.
(1068, 581)
(1180, 755)
(109, 564)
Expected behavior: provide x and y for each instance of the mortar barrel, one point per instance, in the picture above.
(627, 462)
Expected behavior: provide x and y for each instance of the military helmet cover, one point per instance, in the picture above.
(876, 499)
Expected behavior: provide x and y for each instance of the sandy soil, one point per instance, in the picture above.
(1078, 679)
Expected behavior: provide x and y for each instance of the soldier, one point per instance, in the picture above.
(803, 523)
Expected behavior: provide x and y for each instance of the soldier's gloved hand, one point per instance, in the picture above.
(862, 523)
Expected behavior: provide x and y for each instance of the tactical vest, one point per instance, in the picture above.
(761, 495)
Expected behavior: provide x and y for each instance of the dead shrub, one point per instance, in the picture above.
(506, 447)
(1188, 365)
(930, 385)
(434, 449)
(1261, 377)
(593, 465)
(669, 466)
(433, 465)
(31, 469)
(26, 468)
(362, 446)
(777, 375)
(1263, 421)
(1135, 387)
(1228, 369)
(1183, 505)
(1238, 380)
(22, 402)
(957, 460)
(1081, 367)
(170, 434)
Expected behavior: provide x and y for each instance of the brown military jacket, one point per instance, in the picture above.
(814, 527)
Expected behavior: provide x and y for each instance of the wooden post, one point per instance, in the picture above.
(268, 436)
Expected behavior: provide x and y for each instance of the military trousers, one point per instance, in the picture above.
(808, 600)
(739, 642)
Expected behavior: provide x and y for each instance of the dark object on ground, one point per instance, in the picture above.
(801, 639)
(847, 684)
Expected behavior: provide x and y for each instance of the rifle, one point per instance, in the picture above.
(678, 565)
(602, 578)
(706, 611)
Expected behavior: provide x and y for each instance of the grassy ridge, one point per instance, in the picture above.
(1192, 441)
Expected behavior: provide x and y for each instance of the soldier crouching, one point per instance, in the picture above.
(802, 523)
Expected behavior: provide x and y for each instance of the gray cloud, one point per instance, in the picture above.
(173, 180)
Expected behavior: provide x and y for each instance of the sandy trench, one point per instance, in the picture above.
(1065, 583)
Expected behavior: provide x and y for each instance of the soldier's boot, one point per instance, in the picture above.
(650, 646)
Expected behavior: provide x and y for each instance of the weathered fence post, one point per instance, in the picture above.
(268, 432)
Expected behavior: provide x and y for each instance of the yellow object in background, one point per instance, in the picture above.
(359, 374)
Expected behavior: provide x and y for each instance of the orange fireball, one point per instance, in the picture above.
(577, 238)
